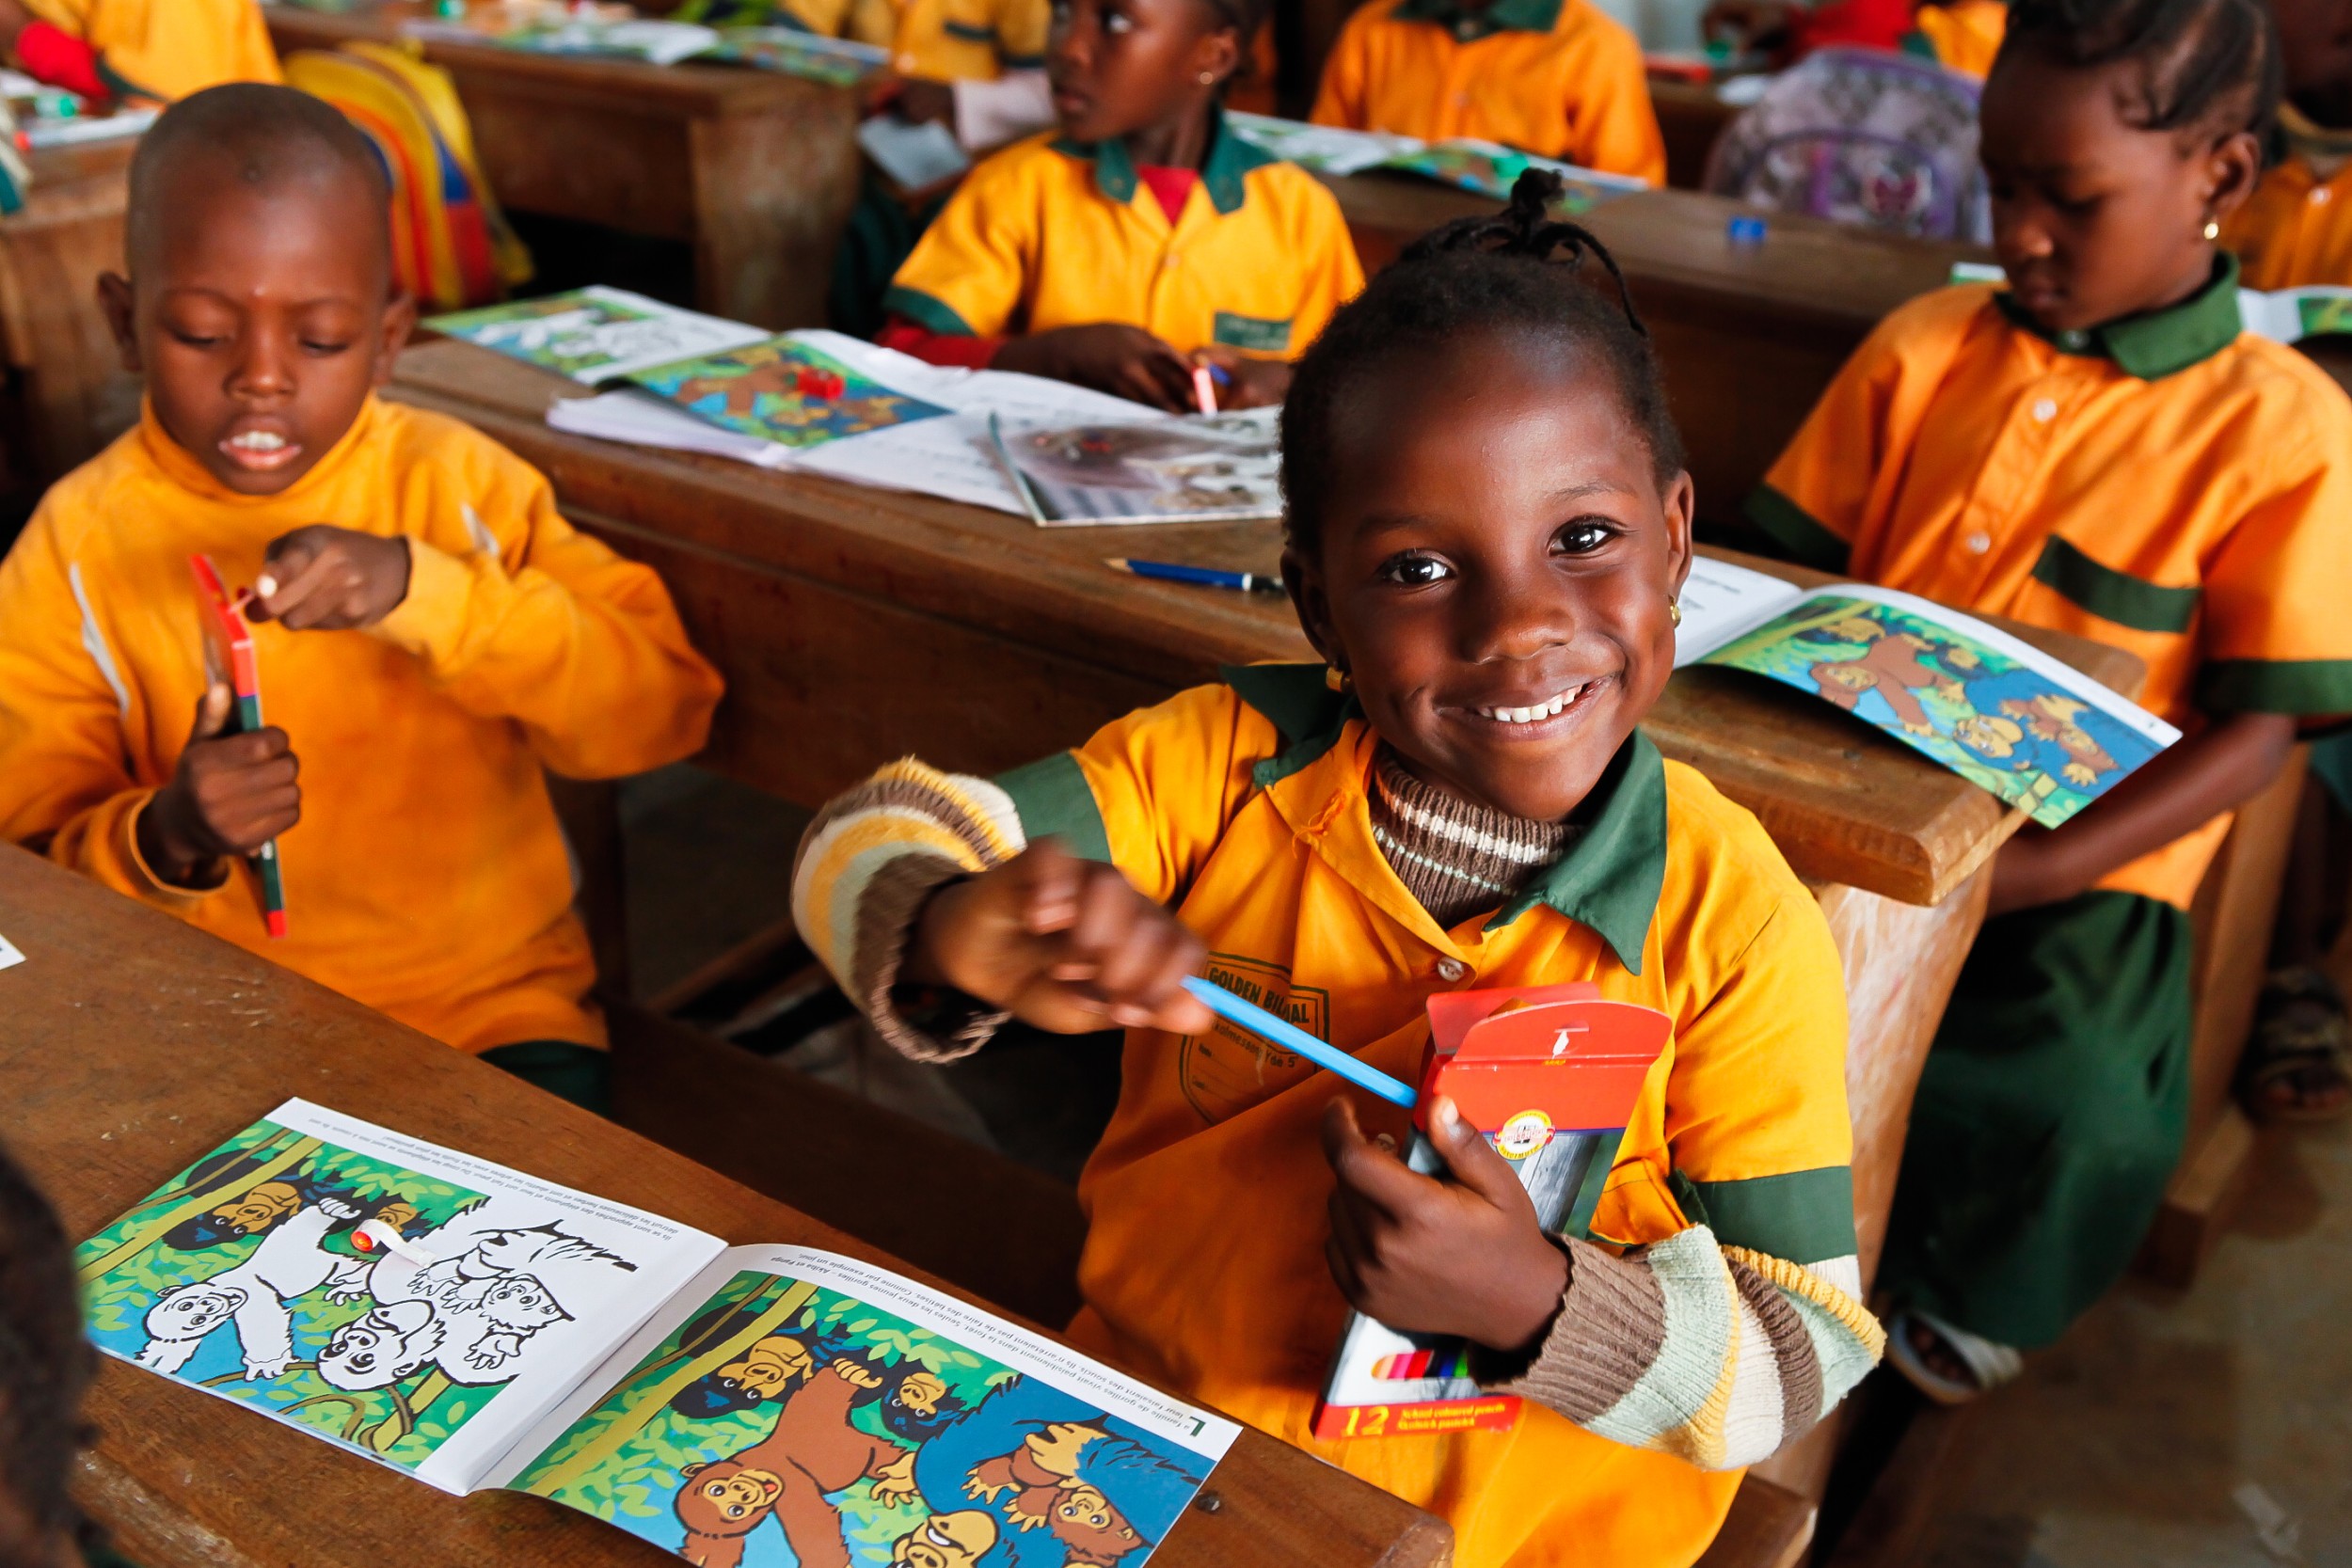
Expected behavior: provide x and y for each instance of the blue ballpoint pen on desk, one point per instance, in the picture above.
(1291, 1038)
(1206, 576)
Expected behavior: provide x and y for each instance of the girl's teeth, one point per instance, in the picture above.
(1530, 715)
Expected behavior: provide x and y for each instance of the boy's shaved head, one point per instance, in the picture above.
(268, 140)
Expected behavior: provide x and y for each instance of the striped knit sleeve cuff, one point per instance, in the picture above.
(866, 866)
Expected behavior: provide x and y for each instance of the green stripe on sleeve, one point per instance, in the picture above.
(1052, 797)
(2314, 685)
(1804, 1216)
(968, 33)
(2113, 595)
(1797, 530)
(925, 311)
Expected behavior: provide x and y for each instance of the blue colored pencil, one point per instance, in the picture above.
(1291, 1038)
(1207, 577)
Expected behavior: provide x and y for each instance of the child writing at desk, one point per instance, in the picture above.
(431, 635)
(2098, 449)
(1146, 239)
(1460, 797)
(1558, 78)
(155, 50)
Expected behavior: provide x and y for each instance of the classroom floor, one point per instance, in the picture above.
(2211, 1429)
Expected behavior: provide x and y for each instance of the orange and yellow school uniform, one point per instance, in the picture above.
(1558, 78)
(427, 877)
(946, 41)
(163, 50)
(1051, 233)
(1246, 808)
(2168, 485)
(2295, 230)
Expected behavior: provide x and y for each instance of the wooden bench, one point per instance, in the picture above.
(755, 169)
(131, 1043)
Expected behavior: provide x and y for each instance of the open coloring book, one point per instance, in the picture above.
(832, 404)
(1466, 162)
(1996, 711)
(757, 1405)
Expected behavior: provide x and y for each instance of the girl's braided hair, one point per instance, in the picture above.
(2208, 66)
(1477, 277)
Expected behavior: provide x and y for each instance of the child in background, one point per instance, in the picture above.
(2100, 450)
(1558, 78)
(1959, 35)
(2297, 228)
(431, 635)
(45, 1364)
(1459, 798)
(1146, 239)
(155, 50)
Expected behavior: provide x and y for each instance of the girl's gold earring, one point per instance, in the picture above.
(1334, 677)
(1208, 78)
(1674, 610)
(2212, 229)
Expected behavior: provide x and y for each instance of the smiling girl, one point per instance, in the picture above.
(1173, 243)
(2100, 450)
(1490, 522)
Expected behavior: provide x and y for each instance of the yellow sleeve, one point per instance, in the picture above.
(579, 646)
(1813, 500)
(1340, 99)
(168, 49)
(1332, 272)
(2275, 638)
(1150, 793)
(969, 274)
(66, 786)
(1617, 122)
(1020, 29)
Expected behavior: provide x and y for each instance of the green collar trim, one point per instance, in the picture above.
(2156, 344)
(1222, 172)
(1469, 23)
(1614, 871)
(1608, 878)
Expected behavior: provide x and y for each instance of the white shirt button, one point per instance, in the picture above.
(2321, 195)
(906, 62)
(1451, 970)
(1979, 542)
(2044, 410)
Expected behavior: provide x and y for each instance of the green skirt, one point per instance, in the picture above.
(2049, 1118)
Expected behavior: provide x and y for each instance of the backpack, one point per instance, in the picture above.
(1863, 136)
(451, 245)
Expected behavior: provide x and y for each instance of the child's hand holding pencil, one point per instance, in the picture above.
(230, 794)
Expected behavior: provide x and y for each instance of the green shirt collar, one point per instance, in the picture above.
(2156, 344)
(1221, 172)
(1610, 874)
(1469, 23)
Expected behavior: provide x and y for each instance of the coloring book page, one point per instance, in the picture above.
(800, 1407)
(784, 391)
(405, 1301)
(594, 334)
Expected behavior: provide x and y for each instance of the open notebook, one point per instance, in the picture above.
(2000, 713)
(763, 1405)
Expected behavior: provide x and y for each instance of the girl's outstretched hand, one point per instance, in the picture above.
(1111, 357)
(1065, 943)
(1430, 1256)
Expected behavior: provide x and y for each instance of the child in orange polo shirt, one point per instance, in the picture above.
(2297, 228)
(151, 50)
(2099, 449)
(431, 635)
(1459, 797)
(1143, 241)
(1558, 78)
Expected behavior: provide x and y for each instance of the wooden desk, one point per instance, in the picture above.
(1690, 116)
(1749, 335)
(757, 170)
(68, 393)
(130, 1044)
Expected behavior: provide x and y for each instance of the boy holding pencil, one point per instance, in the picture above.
(430, 635)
